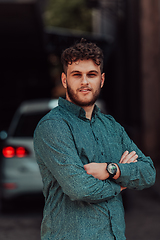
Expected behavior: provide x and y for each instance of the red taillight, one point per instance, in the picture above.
(10, 152)
(21, 152)
(9, 186)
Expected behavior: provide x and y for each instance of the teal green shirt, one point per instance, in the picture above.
(77, 205)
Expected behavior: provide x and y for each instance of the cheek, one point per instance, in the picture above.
(71, 86)
(97, 86)
(74, 85)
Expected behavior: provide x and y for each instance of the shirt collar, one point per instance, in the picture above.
(76, 110)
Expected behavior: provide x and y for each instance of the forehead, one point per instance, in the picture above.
(83, 66)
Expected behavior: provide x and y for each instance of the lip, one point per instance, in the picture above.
(85, 90)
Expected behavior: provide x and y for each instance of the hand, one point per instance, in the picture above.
(97, 170)
(123, 188)
(128, 157)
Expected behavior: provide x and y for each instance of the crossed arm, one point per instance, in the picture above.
(98, 170)
(56, 152)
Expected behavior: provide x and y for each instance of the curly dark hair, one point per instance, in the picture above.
(82, 51)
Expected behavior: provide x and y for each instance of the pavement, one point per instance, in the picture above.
(142, 215)
(143, 212)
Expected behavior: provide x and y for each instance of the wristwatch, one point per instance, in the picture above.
(111, 169)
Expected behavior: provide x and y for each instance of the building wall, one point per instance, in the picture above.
(150, 76)
(132, 88)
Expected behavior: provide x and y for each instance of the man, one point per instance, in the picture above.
(85, 157)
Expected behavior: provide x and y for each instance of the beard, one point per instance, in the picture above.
(75, 99)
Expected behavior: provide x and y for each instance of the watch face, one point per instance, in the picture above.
(112, 169)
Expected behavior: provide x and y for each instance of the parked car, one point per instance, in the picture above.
(19, 170)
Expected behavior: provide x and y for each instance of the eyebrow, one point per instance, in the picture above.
(93, 71)
(76, 71)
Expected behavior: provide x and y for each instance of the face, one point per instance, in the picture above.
(83, 82)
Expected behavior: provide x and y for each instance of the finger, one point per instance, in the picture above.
(123, 156)
(130, 157)
(133, 159)
(123, 188)
(85, 167)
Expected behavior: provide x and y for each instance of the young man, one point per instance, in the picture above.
(85, 157)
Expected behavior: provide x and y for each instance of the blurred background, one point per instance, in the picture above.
(33, 34)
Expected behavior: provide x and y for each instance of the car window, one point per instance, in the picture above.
(27, 124)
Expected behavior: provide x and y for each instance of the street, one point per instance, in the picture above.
(22, 219)
(142, 216)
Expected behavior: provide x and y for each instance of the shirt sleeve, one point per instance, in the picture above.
(54, 146)
(137, 175)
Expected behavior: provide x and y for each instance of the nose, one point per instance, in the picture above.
(84, 79)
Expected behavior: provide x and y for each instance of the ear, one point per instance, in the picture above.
(102, 79)
(64, 80)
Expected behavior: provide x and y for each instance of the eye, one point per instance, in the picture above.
(91, 75)
(77, 75)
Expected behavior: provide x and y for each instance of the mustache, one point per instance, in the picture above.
(81, 88)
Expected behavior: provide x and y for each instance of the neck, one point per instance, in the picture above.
(87, 109)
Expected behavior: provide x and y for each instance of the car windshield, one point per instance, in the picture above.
(27, 124)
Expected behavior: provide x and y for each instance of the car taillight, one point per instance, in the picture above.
(21, 152)
(10, 152)
(9, 186)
